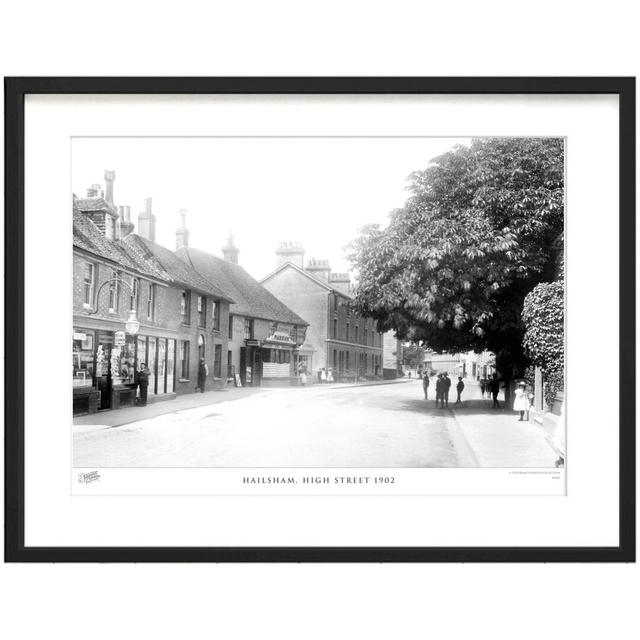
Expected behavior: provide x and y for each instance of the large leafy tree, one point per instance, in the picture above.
(482, 227)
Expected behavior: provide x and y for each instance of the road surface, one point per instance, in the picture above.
(388, 425)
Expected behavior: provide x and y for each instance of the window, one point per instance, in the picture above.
(248, 328)
(293, 334)
(151, 301)
(133, 299)
(356, 336)
(347, 333)
(184, 307)
(365, 336)
(230, 327)
(215, 315)
(114, 292)
(273, 328)
(217, 361)
(184, 359)
(335, 303)
(88, 283)
(335, 328)
(83, 358)
(202, 311)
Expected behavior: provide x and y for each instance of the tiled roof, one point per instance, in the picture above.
(93, 204)
(251, 298)
(179, 271)
(88, 237)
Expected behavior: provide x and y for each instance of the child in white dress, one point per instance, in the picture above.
(521, 403)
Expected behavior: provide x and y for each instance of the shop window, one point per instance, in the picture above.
(215, 315)
(184, 359)
(217, 361)
(202, 311)
(248, 328)
(230, 327)
(83, 354)
(88, 282)
(114, 292)
(171, 365)
(185, 299)
(151, 301)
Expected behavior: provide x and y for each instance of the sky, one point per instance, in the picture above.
(319, 191)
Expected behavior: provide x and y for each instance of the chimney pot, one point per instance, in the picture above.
(109, 177)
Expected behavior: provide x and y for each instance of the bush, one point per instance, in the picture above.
(543, 318)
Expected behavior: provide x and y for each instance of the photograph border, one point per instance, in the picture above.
(15, 91)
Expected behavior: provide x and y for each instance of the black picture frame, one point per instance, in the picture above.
(15, 91)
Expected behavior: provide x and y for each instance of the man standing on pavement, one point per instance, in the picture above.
(425, 384)
(446, 386)
(494, 388)
(203, 372)
(143, 382)
(459, 389)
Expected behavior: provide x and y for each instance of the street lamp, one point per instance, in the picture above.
(132, 325)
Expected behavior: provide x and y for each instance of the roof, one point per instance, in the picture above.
(87, 237)
(322, 283)
(179, 270)
(94, 204)
(251, 298)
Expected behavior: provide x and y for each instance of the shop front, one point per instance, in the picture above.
(105, 364)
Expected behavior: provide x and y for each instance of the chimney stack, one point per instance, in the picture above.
(290, 252)
(319, 268)
(341, 282)
(126, 226)
(230, 251)
(109, 177)
(147, 222)
(182, 234)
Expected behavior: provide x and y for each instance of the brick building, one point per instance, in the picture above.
(264, 336)
(117, 275)
(336, 338)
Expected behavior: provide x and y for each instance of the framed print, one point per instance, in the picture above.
(320, 319)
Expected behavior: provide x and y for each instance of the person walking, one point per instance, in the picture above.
(323, 376)
(459, 389)
(330, 376)
(445, 391)
(439, 391)
(425, 385)
(521, 402)
(203, 372)
(483, 384)
(142, 378)
(494, 388)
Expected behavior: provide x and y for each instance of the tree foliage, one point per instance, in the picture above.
(482, 227)
(543, 317)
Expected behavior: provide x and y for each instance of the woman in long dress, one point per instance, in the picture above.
(521, 402)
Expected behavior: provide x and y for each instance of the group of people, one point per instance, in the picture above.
(443, 385)
(325, 375)
(491, 387)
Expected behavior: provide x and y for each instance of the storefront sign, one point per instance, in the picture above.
(119, 339)
(79, 336)
(281, 337)
(252, 343)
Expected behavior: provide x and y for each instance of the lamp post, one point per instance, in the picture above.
(132, 325)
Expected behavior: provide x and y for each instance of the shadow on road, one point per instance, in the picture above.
(470, 407)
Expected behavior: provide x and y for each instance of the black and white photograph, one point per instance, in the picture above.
(318, 302)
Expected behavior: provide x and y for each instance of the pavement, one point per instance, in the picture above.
(127, 415)
(368, 425)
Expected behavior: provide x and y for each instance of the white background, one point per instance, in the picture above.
(491, 38)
